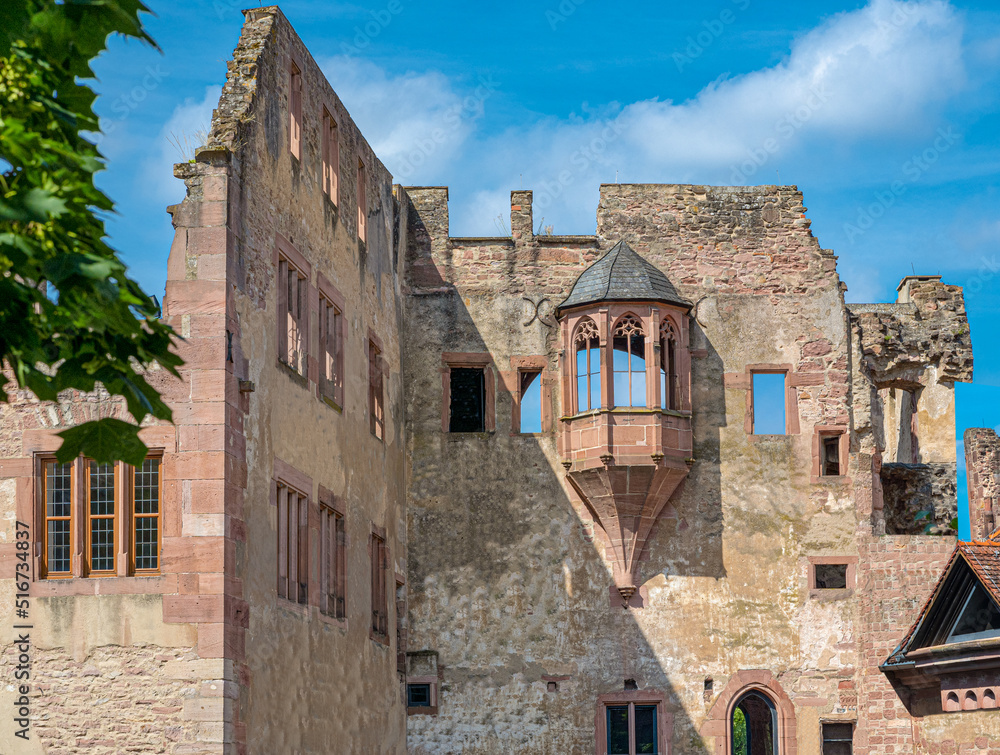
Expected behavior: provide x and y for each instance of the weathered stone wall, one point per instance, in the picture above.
(919, 499)
(307, 681)
(982, 453)
(509, 578)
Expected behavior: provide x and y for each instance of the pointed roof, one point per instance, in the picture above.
(622, 275)
(975, 562)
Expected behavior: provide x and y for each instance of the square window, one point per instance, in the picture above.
(769, 403)
(418, 695)
(838, 738)
(830, 576)
(468, 400)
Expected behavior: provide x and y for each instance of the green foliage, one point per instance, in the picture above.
(70, 317)
(739, 732)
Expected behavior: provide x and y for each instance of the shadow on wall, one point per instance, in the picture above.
(506, 578)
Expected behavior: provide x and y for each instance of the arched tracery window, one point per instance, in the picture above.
(629, 362)
(755, 725)
(588, 366)
(669, 382)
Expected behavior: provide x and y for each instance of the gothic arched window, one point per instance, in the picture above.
(755, 725)
(629, 362)
(588, 366)
(669, 383)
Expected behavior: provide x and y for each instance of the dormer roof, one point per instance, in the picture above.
(623, 275)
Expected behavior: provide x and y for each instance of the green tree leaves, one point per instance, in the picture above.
(70, 317)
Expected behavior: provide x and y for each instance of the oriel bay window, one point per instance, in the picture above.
(119, 509)
(669, 381)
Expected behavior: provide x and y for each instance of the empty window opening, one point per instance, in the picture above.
(830, 576)
(899, 408)
(530, 403)
(754, 726)
(631, 729)
(769, 403)
(838, 738)
(978, 619)
(376, 407)
(292, 307)
(380, 609)
(552, 686)
(362, 202)
(418, 695)
(588, 367)
(629, 346)
(293, 551)
(331, 350)
(331, 156)
(333, 561)
(468, 400)
(669, 381)
(830, 460)
(295, 111)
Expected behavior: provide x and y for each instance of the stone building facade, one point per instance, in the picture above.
(657, 489)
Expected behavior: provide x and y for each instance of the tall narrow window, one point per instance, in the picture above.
(629, 362)
(376, 410)
(830, 461)
(331, 350)
(838, 738)
(588, 366)
(333, 560)
(292, 315)
(146, 517)
(530, 401)
(57, 482)
(380, 608)
(331, 156)
(362, 202)
(293, 553)
(769, 403)
(101, 490)
(295, 111)
(631, 729)
(669, 381)
(468, 400)
(754, 726)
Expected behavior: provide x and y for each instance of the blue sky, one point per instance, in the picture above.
(884, 114)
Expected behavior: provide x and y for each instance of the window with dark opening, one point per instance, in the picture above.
(380, 608)
(629, 362)
(418, 695)
(831, 576)
(376, 405)
(769, 403)
(530, 404)
(588, 367)
(754, 726)
(838, 738)
(293, 546)
(468, 400)
(978, 619)
(631, 723)
(669, 381)
(830, 462)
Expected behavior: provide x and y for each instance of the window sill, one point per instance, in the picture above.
(332, 404)
(424, 710)
(56, 586)
(627, 410)
(768, 437)
(295, 376)
(480, 435)
(300, 609)
(332, 621)
(836, 479)
(382, 640)
(824, 594)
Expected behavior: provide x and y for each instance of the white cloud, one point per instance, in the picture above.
(186, 129)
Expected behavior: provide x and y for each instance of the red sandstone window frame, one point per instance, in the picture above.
(293, 542)
(792, 381)
(332, 329)
(664, 719)
(469, 360)
(292, 321)
(331, 156)
(123, 520)
(424, 710)
(520, 367)
(332, 557)
(820, 434)
(632, 374)
(851, 562)
(596, 350)
(378, 554)
(376, 388)
(295, 109)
